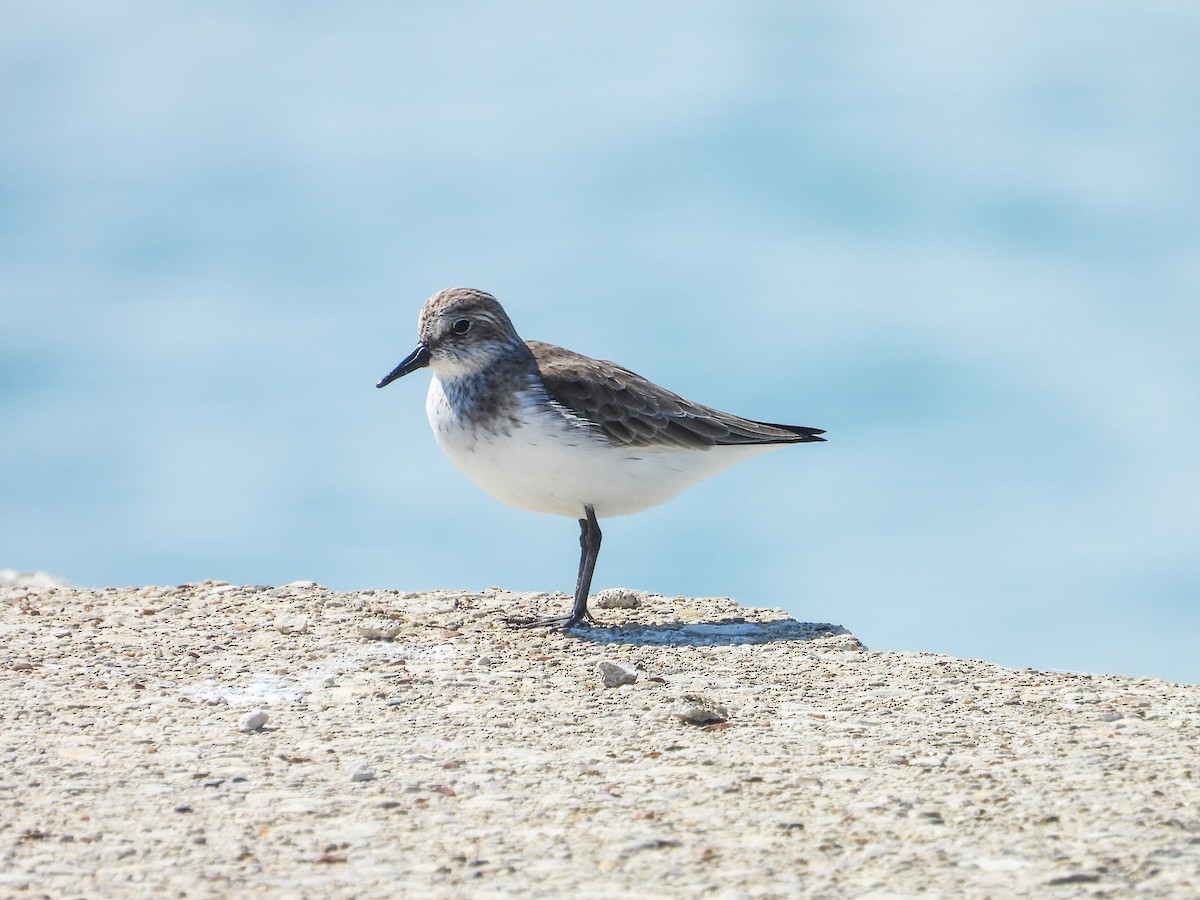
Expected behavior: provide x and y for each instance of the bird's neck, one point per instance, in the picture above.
(492, 390)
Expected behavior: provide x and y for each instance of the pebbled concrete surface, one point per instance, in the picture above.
(211, 740)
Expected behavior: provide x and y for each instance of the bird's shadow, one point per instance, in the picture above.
(721, 633)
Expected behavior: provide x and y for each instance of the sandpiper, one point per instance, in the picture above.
(548, 430)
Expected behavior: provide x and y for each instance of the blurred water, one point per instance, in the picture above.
(965, 241)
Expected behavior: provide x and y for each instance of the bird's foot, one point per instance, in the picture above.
(562, 623)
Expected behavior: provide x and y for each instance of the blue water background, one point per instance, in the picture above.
(963, 239)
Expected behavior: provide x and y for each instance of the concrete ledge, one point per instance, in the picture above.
(219, 740)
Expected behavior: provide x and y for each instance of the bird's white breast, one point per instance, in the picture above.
(535, 457)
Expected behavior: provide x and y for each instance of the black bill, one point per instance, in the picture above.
(418, 359)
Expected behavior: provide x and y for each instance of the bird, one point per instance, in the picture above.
(545, 429)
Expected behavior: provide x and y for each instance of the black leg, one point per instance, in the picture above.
(589, 549)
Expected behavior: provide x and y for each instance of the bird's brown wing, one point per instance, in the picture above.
(629, 409)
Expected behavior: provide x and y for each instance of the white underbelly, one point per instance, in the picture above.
(544, 464)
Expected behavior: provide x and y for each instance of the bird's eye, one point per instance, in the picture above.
(461, 326)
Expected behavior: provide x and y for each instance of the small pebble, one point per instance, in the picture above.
(696, 709)
(617, 598)
(291, 624)
(616, 674)
(374, 633)
(362, 772)
(253, 721)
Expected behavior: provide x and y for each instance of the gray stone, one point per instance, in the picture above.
(615, 674)
(253, 721)
(617, 598)
(698, 709)
(362, 772)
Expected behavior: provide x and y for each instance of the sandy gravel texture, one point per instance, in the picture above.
(209, 740)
